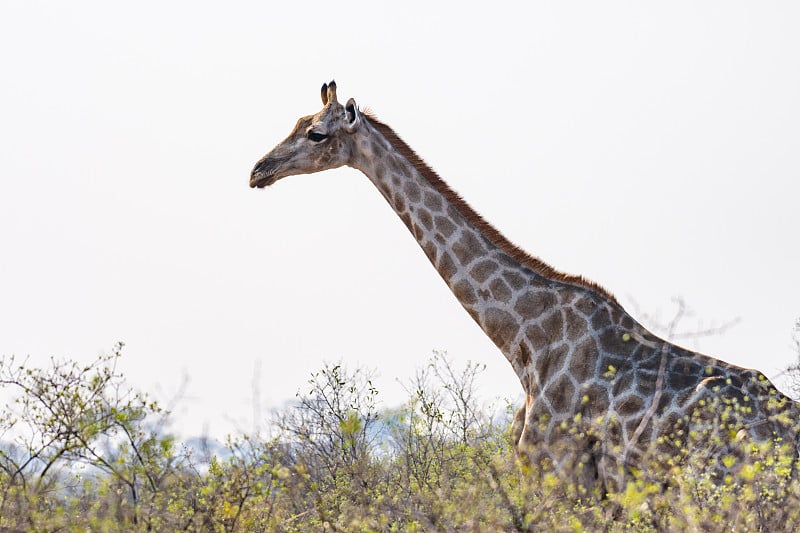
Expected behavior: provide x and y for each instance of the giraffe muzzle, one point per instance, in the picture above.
(263, 173)
(261, 180)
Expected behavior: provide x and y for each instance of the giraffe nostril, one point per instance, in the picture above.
(257, 176)
(259, 167)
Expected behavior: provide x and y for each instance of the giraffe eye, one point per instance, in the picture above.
(315, 136)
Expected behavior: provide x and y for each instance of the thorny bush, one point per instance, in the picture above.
(81, 451)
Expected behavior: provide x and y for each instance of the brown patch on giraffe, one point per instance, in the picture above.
(524, 355)
(648, 358)
(431, 251)
(425, 218)
(585, 304)
(468, 247)
(380, 172)
(537, 336)
(682, 398)
(464, 292)
(465, 211)
(500, 326)
(482, 270)
(595, 399)
(683, 365)
(549, 362)
(405, 216)
(444, 226)
(577, 325)
(618, 342)
(532, 304)
(601, 319)
(500, 290)
(681, 380)
(515, 279)
(446, 267)
(553, 324)
(561, 394)
(399, 203)
(646, 383)
(433, 201)
(626, 321)
(622, 380)
(629, 405)
(583, 362)
(413, 192)
(670, 424)
(395, 164)
(453, 213)
(735, 381)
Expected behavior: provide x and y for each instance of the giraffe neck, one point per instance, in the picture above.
(498, 284)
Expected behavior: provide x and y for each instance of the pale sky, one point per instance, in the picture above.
(655, 149)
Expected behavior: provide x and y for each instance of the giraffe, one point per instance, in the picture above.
(601, 391)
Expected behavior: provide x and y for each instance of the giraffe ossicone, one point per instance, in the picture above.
(603, 394)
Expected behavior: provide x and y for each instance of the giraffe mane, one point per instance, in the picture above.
(494, 235)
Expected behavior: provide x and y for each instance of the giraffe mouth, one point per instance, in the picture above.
(266, 172)
(259, 180)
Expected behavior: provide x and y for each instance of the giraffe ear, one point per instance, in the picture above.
(328, 92)
(324, 93)
(352, 116)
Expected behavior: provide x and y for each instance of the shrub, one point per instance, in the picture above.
(89, 454)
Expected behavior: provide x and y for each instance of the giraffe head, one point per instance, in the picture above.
(318, 142)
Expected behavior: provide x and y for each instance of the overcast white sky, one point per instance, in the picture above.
(653, 149)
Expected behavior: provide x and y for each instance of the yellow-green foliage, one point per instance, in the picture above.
(95, 459)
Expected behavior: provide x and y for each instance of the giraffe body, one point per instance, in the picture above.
(580, 358)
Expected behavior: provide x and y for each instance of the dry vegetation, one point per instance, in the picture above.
(82, 452)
